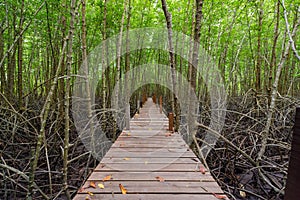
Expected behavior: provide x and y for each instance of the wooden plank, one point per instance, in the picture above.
(141, 167)
(147, 197)
(154, 187)
(150, 176)
(147, 153)
(149, 160)
(154, 145)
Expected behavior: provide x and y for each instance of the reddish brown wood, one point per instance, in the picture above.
(171, 121)
(160, 104)
(154, 98)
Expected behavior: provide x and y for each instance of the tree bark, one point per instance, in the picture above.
(258, 61)
(20, 60)
(127, 68)
(67, 99)
(273, 56)
(118, 72)
(175, 108)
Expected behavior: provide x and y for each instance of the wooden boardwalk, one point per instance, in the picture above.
(150, 162)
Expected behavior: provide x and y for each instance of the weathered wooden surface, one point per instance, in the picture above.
(150, 162)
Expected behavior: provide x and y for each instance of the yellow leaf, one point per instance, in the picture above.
(126, 159)
(107, 178)
(87, 198)
(90, 193)
(101, 186)
(146, 162)
(150, 129)
(161, 179)
(123, 190)
(242, 193)
(92, 184)
(128, 134)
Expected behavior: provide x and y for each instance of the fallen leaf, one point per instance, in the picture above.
(146, 162)
(122, 144)
(87, 198)
(103, 165)
(150, 129)
(126, 159)
(161, 179)
(107, 178)
(90, 193)
(242, 194)
(92, 184)
(123, 190)
(202, 169)
(128, 134)
(168, 134)
(80, 190)
(219, 196)
(101, 186)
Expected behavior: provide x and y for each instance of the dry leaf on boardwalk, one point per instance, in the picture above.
(168, 134)
(80, 190)
(101, 186)
(92, 184)
(107, 178)
(202, 169)
(160, 179)
(123, 190)
(218, 196)
(90, 193)
(126, 159)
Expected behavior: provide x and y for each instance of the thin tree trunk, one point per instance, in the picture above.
(20, 60)
(2, 71)
(67, 100)
(273, 56)
(258, 62)
(104, 65)
(118, 72)
(175, 108)
(127, 68)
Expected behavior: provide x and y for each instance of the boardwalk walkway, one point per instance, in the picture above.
(150, 163)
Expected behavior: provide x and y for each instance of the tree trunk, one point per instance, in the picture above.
(273, 56)
(20, 60)
(258, 62)
(104, 75)
(118, 72)
(175, 107)
(127, 68)
(2, 71)
(67, 98)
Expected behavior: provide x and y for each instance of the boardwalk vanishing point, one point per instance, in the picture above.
(149, 162)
